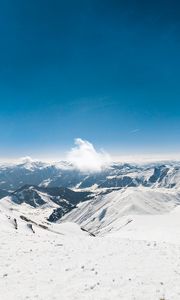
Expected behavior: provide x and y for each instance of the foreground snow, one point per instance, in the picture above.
(66, 263)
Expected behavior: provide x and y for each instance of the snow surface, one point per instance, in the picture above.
(138, 260)
(105, 212)
(41, 212)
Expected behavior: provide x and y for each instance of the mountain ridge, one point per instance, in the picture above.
(64, 174)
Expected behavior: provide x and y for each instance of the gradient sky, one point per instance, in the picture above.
(104, 71)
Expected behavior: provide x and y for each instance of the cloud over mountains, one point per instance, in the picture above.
(86, 158)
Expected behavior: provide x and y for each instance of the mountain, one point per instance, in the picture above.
(138, 260)
(3, 193)
(113, 234)
(14, 176)
(64, 174)
(51, 203)
(55, 190)
(105, 212)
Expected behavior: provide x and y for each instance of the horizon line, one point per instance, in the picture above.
(136, 158)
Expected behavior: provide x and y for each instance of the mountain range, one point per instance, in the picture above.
(60, 189)
(64, 174)
(112, 234)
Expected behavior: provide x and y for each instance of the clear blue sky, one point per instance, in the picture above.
(105, 71)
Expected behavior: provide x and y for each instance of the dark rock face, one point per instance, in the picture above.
(64, 193)
(58, 213)
(27, 195)
(159, 173)
(33, 195)
(3, 193)
(65, 198)
(125, 181)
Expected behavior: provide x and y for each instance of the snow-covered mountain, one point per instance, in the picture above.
(110, 212)
(120, 189)
(113, 234)
(51, 203)
(64, 174)
(43, 260)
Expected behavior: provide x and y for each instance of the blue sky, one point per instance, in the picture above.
(104, 71)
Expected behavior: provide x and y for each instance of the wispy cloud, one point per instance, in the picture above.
(134, 131)
(86, 158)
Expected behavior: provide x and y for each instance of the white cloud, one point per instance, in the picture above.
(85, 157)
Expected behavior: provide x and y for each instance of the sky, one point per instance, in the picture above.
(107, 72)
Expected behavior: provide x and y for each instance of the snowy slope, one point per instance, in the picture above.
(105, 211)
(45, 202)
(66, 263)
(41, 212)
(135, 216)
